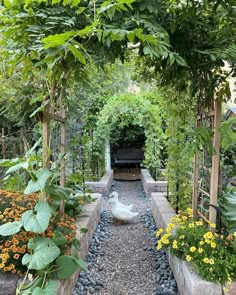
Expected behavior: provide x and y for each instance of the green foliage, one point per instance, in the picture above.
(227, 207)
(228, 133)
(44, 251)
(181, 141)
(132, 109)
(37, 222)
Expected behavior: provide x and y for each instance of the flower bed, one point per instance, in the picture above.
(14, 247)
(210, 254)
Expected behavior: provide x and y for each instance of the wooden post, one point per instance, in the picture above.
(45, 141)
(3, 144)
(63, 151)
(195, 185)
(215, 163)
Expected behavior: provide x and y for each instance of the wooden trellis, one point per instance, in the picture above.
(207, 167)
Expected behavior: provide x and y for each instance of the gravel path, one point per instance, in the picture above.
(122, 259)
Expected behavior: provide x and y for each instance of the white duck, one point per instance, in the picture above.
(115, 196)
(120, 211)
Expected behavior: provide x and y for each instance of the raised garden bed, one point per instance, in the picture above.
(89, 219)
(189, 283)
(150, 185)
(103, 185)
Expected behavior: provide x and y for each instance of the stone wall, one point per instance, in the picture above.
(150, 185)
(102, 186)
(89, 219)
(189, 283)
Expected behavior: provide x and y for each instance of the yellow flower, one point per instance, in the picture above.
(199, 223)
(211, 261)
(188, 258)
(159, 245)
(201, 243)
(191, 225)
(184, 218)
(208, 235)
(175, 245)
(213, 244)
(159, 232)
(206, 260)
(212, 225)
(200, 250)
(182, 237)
(193, 249)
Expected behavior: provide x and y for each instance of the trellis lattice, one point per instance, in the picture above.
(207, 166)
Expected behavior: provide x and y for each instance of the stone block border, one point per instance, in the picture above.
(189, 283)
(102, 186)
(150, 185)
(89, 219)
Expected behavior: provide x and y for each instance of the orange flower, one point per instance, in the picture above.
(16, 256)
(7, 243)
(230, 237)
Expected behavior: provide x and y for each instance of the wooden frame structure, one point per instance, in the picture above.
(212, 117)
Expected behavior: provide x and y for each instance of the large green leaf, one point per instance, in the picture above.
(37, 222)
(11, 228)
(50, 289)
(44, 252)
(228, 209)
(57, 192)
(81, 264)
(17, 167)
(77, 54)
(59, 238)
(39, 184)
(67, 266)
(58, 39)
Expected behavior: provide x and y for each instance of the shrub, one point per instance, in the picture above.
(212, 255)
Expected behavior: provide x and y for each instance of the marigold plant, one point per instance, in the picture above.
(13, 248)
(212, 255)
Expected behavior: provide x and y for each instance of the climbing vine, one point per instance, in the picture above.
(179, 116)
(133, 109)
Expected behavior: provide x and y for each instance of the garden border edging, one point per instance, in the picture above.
(89, 219)
(189, 283)
(150, 185)
(102, 186)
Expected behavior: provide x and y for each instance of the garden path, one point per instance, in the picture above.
(126, 260)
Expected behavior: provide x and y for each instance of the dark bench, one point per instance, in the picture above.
(135, 156)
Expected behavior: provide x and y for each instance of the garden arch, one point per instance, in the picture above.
(133, 109)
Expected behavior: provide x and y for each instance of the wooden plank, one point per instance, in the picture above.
(215, 163)
(202, 216)
(57, 118)
(195, 185)
(206, 115)
(204, 192)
